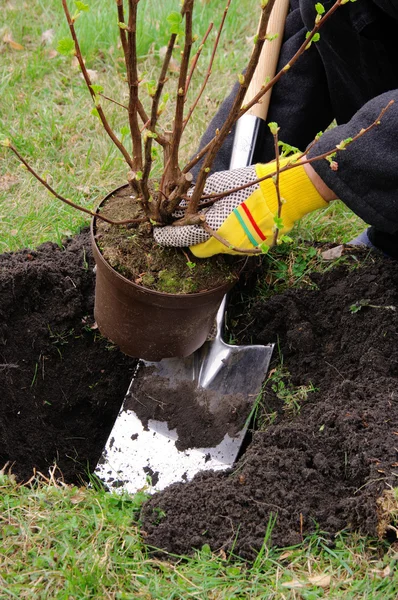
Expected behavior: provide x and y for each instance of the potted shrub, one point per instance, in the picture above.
(156, 302)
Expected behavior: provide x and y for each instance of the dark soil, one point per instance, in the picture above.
(325, 467)
(201, 417)
(132, 251)
(62, 385)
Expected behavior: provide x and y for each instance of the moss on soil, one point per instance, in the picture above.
(132, 252)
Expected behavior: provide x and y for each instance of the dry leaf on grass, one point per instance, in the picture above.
(47, 36)
(288, 553)
(386, 572)
(78, 497)
(333, 253)
(322, 581)
(7, 39)
(7, 181)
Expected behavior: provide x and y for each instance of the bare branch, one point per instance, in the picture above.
(299, 160)
(132, 78)
(209, 68)
(173, 172)
(155, 107)
(234, 112)
(87, 79)
(225, 242)
(276, 183)
(196, 57)
(66, 200)
(270, 84)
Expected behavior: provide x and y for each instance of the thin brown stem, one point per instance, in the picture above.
(66, 200)
(155, 108)
(234, 112)
(304, 46)
(209, 68)
(225, 242)
(113, 101)
(132, 77)
(297, 162)
(87, 79)
(197, 56)
(122, 32)
(267, 86)
(276, 183)
(174, 172)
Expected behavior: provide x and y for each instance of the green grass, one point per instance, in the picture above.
(65, 543)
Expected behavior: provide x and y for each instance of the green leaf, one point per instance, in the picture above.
(66, 46)
(264, 248)
(278, 222)
(320, 9)
(174, 19)
(287, 148)
(138, 175)
(233, 571)
(273, 127)
(95, 113)
(286, 239)
(317, 37)
(81, 6)
(122, 25)
(97, 89)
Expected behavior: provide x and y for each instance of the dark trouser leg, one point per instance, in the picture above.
(358, 51)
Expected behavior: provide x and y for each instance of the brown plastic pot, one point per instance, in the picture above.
(148, 324)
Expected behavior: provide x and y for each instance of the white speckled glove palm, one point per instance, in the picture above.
(246, 218)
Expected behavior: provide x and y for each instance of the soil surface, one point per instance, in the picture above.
(325, 467)
(202, 417)
(132, 251)
(61, 383)
(61, 386)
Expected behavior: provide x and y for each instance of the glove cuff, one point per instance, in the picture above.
(296, 189)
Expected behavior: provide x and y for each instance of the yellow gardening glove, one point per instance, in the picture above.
(246, 218)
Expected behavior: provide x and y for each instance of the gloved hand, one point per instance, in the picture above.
(246, 218)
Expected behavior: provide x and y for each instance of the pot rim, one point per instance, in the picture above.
(226, 285)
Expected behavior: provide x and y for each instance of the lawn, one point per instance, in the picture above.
(64, 542)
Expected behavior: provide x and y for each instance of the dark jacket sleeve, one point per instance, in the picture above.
(367, 176)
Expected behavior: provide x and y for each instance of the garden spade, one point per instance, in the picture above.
(153, 443)
(224, 379)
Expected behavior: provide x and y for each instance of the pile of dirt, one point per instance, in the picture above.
(326, 467)
(62, 385)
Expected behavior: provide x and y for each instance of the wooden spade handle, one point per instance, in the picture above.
(268, 60)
